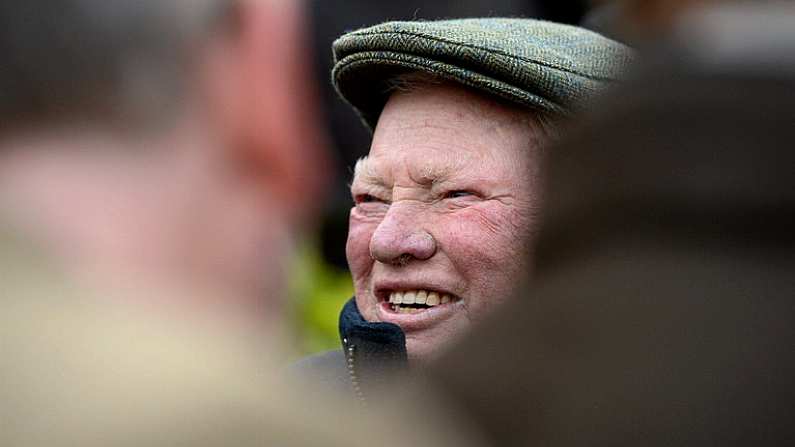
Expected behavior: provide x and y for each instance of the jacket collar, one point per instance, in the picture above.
(375, 352)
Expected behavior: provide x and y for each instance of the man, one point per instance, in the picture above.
(446, 201)
(153, 156)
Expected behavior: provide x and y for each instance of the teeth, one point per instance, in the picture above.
(422, 296)
(417, 297)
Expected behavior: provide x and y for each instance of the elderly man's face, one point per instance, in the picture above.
(444, 208)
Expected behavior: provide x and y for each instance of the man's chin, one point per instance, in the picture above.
(425, 348)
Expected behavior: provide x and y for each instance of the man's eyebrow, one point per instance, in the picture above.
(364, 172)
(433, 175)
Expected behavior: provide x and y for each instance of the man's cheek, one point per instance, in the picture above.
(358, 247)
(481, 239)
(477, 226)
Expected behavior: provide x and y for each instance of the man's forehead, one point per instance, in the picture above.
(444, 104)
(445, 132)
(381, 170)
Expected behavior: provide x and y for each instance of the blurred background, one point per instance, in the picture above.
(320, 280)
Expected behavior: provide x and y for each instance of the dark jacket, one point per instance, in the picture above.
(371, 355)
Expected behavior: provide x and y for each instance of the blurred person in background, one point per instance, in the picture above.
(155, 157)
(446, 201)
(661, 310)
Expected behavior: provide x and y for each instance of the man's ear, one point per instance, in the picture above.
(268, 103)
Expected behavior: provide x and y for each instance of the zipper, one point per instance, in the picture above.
(350, 351)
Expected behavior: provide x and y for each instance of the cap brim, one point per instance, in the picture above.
(363, 80)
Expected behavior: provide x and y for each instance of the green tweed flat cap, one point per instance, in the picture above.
(542, 65)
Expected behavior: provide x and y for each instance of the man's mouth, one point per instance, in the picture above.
(415, 301)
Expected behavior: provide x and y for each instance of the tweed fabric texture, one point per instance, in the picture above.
(549, 67)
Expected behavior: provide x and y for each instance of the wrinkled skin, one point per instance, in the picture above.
(446, 200)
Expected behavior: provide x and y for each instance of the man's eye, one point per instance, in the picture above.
(367, 198)
(457, 193)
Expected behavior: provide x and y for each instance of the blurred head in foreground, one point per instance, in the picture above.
(661, 312)
(161, 148)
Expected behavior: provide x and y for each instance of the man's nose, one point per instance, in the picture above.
(400, 238)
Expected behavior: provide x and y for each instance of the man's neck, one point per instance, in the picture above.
(112, 207)
(83, 194)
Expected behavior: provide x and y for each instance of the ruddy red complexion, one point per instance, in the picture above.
(443, 213)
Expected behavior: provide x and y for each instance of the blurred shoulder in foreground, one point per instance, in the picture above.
(80, 370)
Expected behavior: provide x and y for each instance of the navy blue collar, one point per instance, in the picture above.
(376, 351)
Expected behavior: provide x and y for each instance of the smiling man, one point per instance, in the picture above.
(443, 203)
(447, 199)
